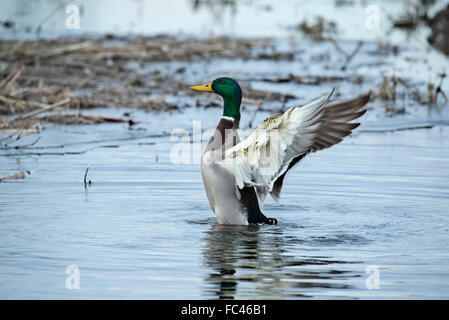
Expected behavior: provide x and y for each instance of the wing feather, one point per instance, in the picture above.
(279, 142)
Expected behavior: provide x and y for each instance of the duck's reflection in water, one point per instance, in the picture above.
(254, 262)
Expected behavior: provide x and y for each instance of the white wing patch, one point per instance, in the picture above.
(267, 152)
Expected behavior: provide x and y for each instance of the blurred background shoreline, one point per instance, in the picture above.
(89, 116)
(210, 18)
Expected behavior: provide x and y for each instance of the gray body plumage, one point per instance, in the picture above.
(218, 182)
(234, 171)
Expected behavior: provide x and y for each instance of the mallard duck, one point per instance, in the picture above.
(238, 175)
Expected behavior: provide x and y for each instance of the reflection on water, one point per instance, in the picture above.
(144, 230)
(255, 261)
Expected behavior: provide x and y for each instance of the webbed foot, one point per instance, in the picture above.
(271, 221)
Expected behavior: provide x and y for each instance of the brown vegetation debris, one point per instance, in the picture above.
(20, 175)
(318, 29)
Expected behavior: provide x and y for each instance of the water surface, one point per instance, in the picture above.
(144, 228)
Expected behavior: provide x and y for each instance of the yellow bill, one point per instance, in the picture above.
(205, 88)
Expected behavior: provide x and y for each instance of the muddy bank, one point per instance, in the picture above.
(107, 72)
(54, 81)
(95, 72)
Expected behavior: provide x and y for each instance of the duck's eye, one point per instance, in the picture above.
(222, 82)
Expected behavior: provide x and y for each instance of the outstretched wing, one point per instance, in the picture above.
(279, 142)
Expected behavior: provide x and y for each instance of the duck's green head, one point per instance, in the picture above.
(231, 93)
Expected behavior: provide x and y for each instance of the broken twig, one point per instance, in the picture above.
(9, 81)
(25, 145)
(85, 178)
(36, 112)
(348, 57)
(20, 175)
